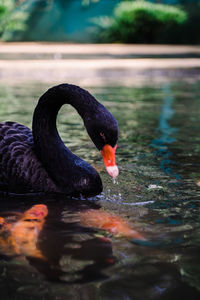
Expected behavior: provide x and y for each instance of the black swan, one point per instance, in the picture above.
(38, 160)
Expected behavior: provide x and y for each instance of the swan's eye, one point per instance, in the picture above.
(103, 136)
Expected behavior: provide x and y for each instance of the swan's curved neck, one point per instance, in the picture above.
(59, 162)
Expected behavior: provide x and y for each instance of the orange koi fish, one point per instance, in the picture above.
(106, 221)
(20, 238)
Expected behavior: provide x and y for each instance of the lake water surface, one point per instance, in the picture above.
(157, 191)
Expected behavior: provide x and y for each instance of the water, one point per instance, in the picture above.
(158, 156)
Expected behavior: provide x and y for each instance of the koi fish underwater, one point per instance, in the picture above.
(20, 237)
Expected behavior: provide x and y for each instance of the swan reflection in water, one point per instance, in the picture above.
(21, 237)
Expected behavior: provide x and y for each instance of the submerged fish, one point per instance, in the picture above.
(106, 221)
(20, 238)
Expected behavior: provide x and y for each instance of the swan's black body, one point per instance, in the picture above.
(40, 162)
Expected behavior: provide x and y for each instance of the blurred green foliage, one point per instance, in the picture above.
(189, 32)
(141, 22)
(132, 21)
(12, 18)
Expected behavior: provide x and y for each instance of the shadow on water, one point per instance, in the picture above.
(54, 256)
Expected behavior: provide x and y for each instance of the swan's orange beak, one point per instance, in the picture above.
(108, 154)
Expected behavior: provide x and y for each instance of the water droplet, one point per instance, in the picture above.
(82, 197)
(114, 180)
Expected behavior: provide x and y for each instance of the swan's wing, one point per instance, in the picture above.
(20, 170)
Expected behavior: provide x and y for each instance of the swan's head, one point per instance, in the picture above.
(103, 130)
